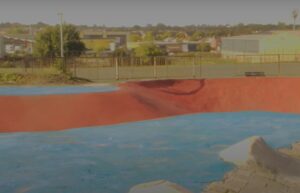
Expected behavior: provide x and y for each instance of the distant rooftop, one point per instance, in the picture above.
(104, 33)
(20, 37)
(264, 35)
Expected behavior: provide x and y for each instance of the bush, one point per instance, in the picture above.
(11, 77)
(7, 64)
(204, 47)
(59, 64)
(47, 42)
(148, 50)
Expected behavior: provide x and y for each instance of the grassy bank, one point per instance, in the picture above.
(39, 79)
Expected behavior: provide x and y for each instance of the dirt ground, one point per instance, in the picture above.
(250, 179)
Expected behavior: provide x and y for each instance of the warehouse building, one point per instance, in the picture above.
(276, 42)
(105, 40)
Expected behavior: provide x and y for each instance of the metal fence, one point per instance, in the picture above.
(183, 67)
(162, 67)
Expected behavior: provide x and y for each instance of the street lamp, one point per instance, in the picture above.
(61, 15)
(295, 16)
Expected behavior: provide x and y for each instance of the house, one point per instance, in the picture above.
(215, 43)
(105, 40)
(18, 44)
(177, 47)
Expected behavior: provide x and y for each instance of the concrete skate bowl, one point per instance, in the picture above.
(112, 139)
(137, 101)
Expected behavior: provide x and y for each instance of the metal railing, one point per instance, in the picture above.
(160, 67)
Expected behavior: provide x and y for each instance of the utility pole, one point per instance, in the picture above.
(31, 35)
(61, 15)
(295, 15)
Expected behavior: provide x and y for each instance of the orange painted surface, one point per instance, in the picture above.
(137, 101)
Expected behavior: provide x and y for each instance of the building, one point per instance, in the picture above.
(168, 47)
(178, 47)
(105, 40)
(18, 44)
(276, 42)
(2, 47)
(215, 43)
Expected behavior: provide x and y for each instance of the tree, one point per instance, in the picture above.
(204, 47)
(161, 26)
(121, 52)
(134, 37)
(281, 25)
(17, 31)
(163, 35)
(181, 36)
(136, 27)
(148, 50)
(47, 42)
(197, 35)
(149, 36)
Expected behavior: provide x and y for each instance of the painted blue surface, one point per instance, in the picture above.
(111, 159)
(50, 90)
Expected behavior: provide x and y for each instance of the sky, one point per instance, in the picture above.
(143, 12)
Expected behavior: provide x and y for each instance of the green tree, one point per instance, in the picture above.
(204, 47)
(181, 36)
(148, 50)
(197, 35)
(135, 37)
(17, 30)
(161, 26)
(149, 36)
(163, 35)
(121, 52)
(47, 42)
(281, 25)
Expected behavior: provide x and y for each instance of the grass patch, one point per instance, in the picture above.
(39, 79)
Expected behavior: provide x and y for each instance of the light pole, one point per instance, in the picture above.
(295, 16)
(31, 36)
(61, 15)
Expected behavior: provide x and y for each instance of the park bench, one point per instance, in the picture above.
(255, 74)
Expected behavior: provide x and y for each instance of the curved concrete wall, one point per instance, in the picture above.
(137, 101)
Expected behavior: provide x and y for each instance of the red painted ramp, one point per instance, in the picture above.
(148, 100)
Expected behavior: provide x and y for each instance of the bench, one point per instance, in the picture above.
(255, 74)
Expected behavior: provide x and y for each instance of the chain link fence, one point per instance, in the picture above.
(126, 68)
(160, 67)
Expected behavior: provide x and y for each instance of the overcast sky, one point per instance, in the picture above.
(142, 12)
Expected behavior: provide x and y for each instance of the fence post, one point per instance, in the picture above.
(279, 64)
(194, 67)
(25, 65)
(130, 66)
(74, 69)
(64, 64)
(117, 67)
(98, 68)
(200, 69)
(40, 67)
(154, 67)
(167, 71)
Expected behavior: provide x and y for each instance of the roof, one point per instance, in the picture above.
(89, 33)
(265, 35)
(23, 36)
(174, 43)
(27, 38)
(252, 37)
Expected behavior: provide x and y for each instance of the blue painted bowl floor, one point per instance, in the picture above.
(111, 159)
(50, 90)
